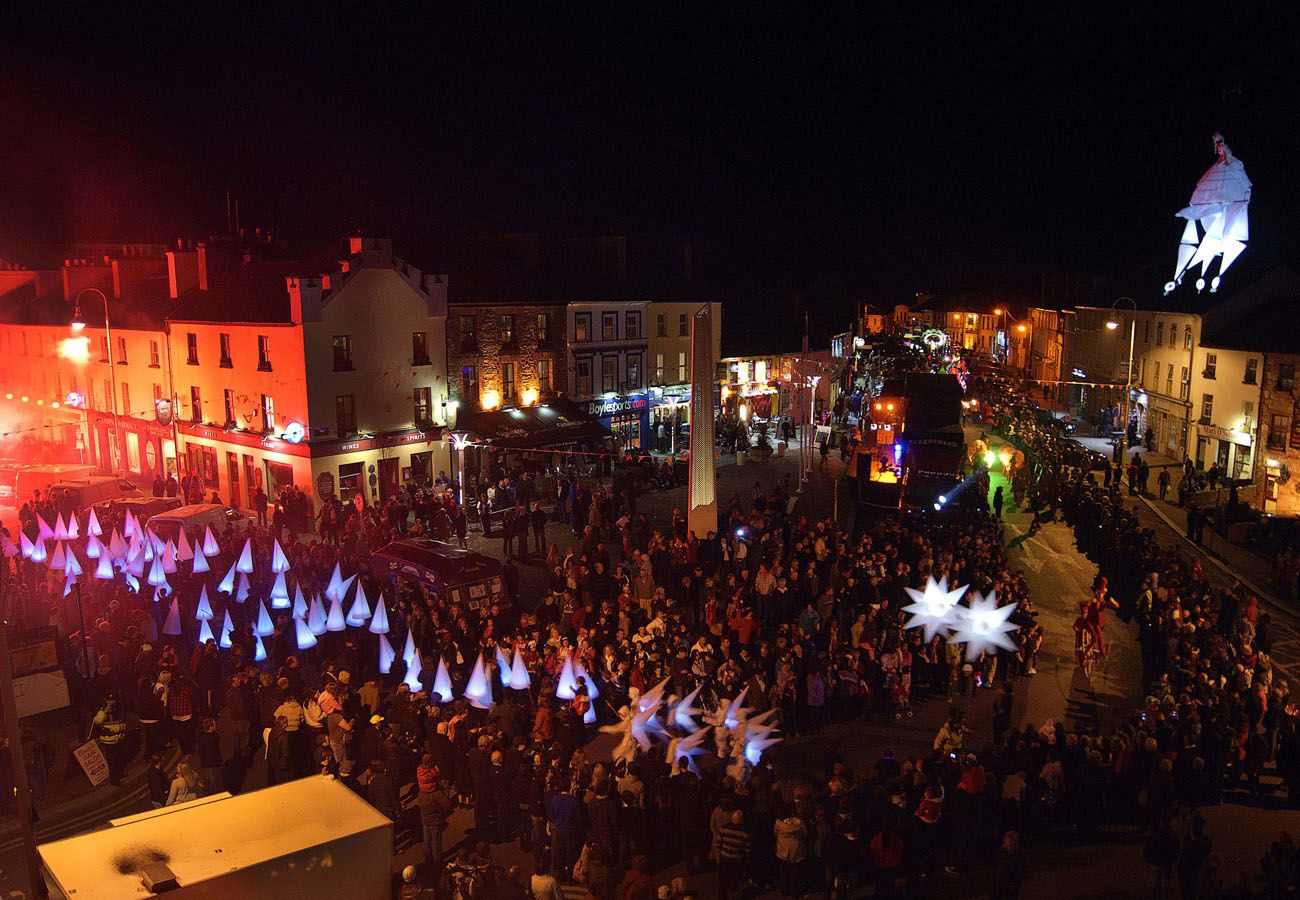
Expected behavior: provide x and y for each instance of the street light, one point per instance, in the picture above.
(78, 325)
(1113, 325)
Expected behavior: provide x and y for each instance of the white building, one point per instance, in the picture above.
(607, 347)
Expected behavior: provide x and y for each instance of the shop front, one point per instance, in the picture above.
(148, 447)
(1168, 424)
(1231, 451)
(670, 412)
(627, 416)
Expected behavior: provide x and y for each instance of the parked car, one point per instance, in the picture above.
(1081, 457)
(95, 489)
(195, 518)
(142, 508)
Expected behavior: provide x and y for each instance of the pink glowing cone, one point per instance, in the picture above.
(479, 692)
(210, 545)
(204, 611)
(387, 655)
(264, 626)
(379, 621)
(173, 624)
(306, 640)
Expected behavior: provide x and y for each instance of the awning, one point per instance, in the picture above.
(555, 424)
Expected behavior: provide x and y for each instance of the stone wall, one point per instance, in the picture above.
(488, 353)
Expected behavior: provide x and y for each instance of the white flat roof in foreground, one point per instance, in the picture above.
(202, 841)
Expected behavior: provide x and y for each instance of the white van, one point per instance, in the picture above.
(195, 518)
(94, 489)
(30, 479)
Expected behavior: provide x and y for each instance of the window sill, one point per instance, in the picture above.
(421, 362)
(1251, 383)
(337, 369)
(226, 364)
(188, 362)
(264, 367)
(155, 365)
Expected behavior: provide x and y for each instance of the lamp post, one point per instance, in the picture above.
(78, 325)
(1112, 324)
(1006, 340)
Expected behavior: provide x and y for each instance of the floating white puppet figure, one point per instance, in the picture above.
(637, 730)
(688, 748)
(1219, 204)
(682, 713)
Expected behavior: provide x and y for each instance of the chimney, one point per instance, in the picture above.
(436, 287)
(304, 299)
(202, 252)
(182, 272)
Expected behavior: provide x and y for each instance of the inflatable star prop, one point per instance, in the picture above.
(984, 626)
(935, 608)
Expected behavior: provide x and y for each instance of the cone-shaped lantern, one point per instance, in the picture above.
(412, 679)
(279, 593)
(227, 585)
(183, 549)
(26, 545)
(479, 692)
(306, 640)
(299, 602)
(135, 562)
(379, 621)
(204, 611)
(210, 545)
(279, 562)
(503, 668)
(129, 528)
(335, 621)
(173, 624)
(200, 561)
(387, 655)
(580, 676)
(74, 531)
(409, 656)
(104, 569)
(567, 682)
(71, 567)
(264, 626)
(332, 589)
(359, 614)
(60, 530)
(519, 677)
(94, 549)
(169, 558)
(245, 561)
(226, 628)
(68, 583)
(442, 681)
(316, 616)
(39, 554)
(259, 654)
(133, 583)
(241, 590)
(205, 633)
(116, 546)
(57, 558)
(92, 524)
(157, 577)
(44, 531)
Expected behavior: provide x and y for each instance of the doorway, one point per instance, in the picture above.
(389, 477)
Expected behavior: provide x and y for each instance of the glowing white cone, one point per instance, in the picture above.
(259, 654)
(503, 669)
(204, 611)
(173, 624)
(264, 626)
(92, 524)
(227, 584)
(157, 577)
(379, 621)
(129, 528)
(183, 549)
(359, 614)
(387, 655)
(44, 531)
(68, 583)
(412, 679)
(60, 530)
(306, 640)
(519, 677)
(168, 557)
(478, 692)
(94, 549)
(200, 562)
(133, 583)
(210, 545)
(227, 627)
(205, 633)
(26, 545)
(442, 681)
(116, 546)
(332, 589)
(316, 617)
(57, 558)
(74, 530)
(242, 589)
(567, 682)
(299, 603)
(104, 569)
(335, 621)
(71, 567)
(409, 656)
(279, 593)
(279, 562)
(245, 561)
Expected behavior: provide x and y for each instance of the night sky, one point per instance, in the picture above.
(820, 160)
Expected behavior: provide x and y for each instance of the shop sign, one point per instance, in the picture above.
(163, 410)
(325, 485)
(612, 406)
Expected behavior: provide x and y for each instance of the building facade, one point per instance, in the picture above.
(607, 347)
(669, 369)
(505, 354)
(1278, 477)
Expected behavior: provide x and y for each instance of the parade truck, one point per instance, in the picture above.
(309, 839)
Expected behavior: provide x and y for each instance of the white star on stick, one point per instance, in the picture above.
(984, 625)
(935, 608)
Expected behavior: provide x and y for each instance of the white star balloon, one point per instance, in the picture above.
(935, 608)
(984, 626)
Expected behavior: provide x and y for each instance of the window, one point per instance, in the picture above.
(633, 371)
(659, 368)
(268, 414)
(1156, 373)
(468, 331)
(545, 377)
(154, 361)
(1286, 377)
(683, 326)
(423, 405)
(126, 399)
(661, 327)
(224, 362)
(191, 349)
(1146, 332)
(681, 365)
(583, 370)
(1278, 429)
(509, 390)
(609, 326)
(196, 404)
(103, 348)
(1248, 412)
(230, 407)
(1211, 363)
(263, 353)
(507, 329)
(1160, 334)
(582, 327)
(609, 373)
(110, 399)
(631, 326)
(469, 385)
(1207, 407)
(121, 351)
(342, 344)
(345, 415)
(1185, 388)
(1187, 337)
(157, 392)
(1252, 371)
(1169, 380)
(543, 328)
(420, 348)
